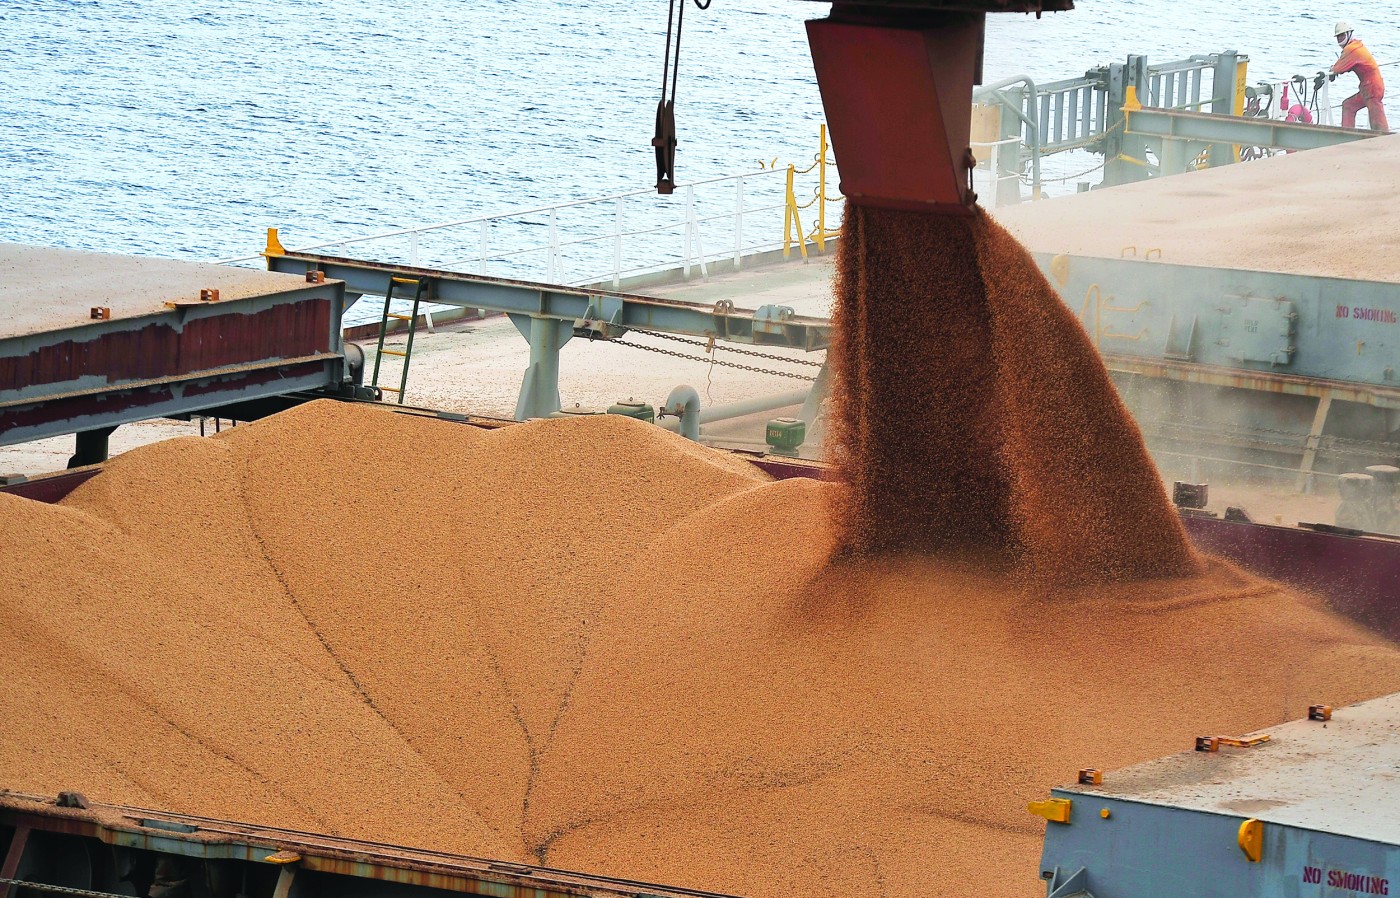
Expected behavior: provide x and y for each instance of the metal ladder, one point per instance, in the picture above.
(422, 291)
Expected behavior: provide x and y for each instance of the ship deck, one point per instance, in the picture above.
(1332, 212)
(47, 289)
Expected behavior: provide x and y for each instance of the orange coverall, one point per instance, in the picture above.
(1356, 58)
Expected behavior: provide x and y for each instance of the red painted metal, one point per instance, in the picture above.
(45, 411)
(165, 349)
(50, 488)
(18, 842)
(898, 103)
(1358, 575)
(223, 385)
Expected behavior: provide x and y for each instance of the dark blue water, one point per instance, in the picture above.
(185, 127)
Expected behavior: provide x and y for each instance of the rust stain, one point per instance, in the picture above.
(160, 350)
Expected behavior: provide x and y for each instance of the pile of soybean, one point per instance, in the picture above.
(591, 644)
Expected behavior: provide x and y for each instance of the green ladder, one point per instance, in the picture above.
(421, 292)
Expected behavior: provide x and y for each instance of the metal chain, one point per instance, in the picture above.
(58, 890)
(713, 361)
(706, 343)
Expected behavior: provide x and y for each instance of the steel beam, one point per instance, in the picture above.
(1256, 381)
(539, 390)
(10, 866)
(607, 314)
(1210, 128)
(1305, 471)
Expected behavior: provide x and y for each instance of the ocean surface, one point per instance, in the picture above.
(184, 128)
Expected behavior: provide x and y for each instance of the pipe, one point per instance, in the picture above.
(684, 403)
(752, 406)
(743, 407)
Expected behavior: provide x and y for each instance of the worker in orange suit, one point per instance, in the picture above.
(1357, 59)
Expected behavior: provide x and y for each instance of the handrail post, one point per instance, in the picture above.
(617, 246)
(789, 202)
(693, 230)
(792, 219)
(484, 256)
(738, 222)
(821, 192)
(553, 266)
(413, 248)
(685, 233)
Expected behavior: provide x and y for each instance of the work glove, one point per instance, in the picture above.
(1332, 77)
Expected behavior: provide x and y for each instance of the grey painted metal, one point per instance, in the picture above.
(684, 403)
(1199, 131)
(1223, 97)
(609, 313)
(90, 447)
(1326, 794)
(234, 388)
(339, 866)
(821, 389)
(1240, 322)
(1085, 112)
(740, 408)
(1010, 94)
(539, 389)
(549, 315)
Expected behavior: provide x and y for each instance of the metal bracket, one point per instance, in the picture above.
(1073, 885)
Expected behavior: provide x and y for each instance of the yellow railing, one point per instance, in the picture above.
(792, 214)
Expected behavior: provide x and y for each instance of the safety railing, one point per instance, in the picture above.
(1074, 113)
(792, 215)
(1034, 121)
(990, 173)
(704, 224)
(1068, 114)
(1180, 85)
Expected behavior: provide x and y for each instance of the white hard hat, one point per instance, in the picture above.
(1342, 28)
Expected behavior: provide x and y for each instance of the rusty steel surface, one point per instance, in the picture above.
(167, 347)
(45, 289)
(1261, 381)
(210, 838)
(86, 410)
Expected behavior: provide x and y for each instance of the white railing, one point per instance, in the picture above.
(594, 240)
(987, 177)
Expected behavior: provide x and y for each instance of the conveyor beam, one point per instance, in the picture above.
(1209, 128)
(611, 313)
(549, 315)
